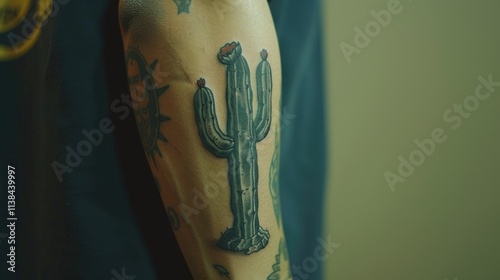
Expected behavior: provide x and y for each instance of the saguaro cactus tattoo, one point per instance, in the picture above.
(239, 145)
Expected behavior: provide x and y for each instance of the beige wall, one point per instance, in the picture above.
(443, 221)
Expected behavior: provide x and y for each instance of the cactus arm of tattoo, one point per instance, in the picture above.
(264, 97)
(212, 136)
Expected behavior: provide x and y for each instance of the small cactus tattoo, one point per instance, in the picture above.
(239, 145)
(182, 6)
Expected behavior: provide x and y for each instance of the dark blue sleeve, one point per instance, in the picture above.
(303, 138)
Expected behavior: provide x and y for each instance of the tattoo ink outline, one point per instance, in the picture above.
(282, 253)
(146, 106)
(173, 218)
(274, 177)
(222, 271)
(239, 147)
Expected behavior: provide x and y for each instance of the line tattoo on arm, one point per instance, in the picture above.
(173, 218)
(274, 177)
(222, 271)
(239, 145)
(145, 93)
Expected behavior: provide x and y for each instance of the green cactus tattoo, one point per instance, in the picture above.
(239, 145)
(182, 6)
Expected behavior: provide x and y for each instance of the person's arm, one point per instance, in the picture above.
(205, 78)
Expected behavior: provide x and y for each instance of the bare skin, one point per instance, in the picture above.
(169, 46)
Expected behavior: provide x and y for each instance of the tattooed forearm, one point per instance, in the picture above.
(182, 6)
(239, 146)
(145, 93)
(222, 271)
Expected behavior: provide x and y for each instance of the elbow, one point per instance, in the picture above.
(140, 14)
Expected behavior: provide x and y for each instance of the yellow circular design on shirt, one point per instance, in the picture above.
(12, 13)
(20, 43)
